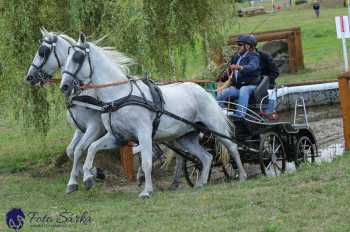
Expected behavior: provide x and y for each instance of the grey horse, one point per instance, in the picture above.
(88, 123)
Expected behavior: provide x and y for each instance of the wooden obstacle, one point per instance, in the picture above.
(293, 37)
(127, 161)
(344, 94)
(251, 11)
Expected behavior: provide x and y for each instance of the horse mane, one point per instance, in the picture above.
(118, 58)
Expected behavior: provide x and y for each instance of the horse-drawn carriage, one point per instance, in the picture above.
(109, 117)
(261, 140)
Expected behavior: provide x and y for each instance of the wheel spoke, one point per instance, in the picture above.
(275, 151)
(193, 171)
(277, 166)
(268, 166)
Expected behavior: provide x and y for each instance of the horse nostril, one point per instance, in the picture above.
(64, 88)
(30, 78)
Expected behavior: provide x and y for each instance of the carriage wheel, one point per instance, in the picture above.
(306, 151)
(192, 171)
(272, 157)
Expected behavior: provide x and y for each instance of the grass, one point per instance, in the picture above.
(21, 148)
(312, 199)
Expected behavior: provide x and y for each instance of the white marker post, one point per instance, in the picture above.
(343, 32)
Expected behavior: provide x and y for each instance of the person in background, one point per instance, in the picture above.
(242, 76)
(316, 7)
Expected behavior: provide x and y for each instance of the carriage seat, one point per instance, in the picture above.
(261, 90)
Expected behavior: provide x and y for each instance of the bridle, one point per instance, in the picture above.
(44, 52)
(79, 56)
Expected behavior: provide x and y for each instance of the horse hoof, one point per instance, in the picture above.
(174, 186)
(144, 195)
(198, 186)
(89, 183)
(100, 175)
(71, 188)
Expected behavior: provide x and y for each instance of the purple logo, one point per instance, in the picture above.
(15, 219)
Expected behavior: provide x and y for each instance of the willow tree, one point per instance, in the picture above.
(174, 26)
(20, 23)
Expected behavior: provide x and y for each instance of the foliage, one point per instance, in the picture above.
(163, 36)
(173, 27)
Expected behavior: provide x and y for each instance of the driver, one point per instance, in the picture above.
(242, 76)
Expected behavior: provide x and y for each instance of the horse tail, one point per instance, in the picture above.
(211, 114)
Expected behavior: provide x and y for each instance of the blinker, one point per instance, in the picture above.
(78, 57)
(44, 51)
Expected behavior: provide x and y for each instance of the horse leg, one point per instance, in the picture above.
(145, 140)
(178, 173)
(91, 134)
(107, 142)
(140, 176)
(191, 143)
(233, 150)
(73, 143)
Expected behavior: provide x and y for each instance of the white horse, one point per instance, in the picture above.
(89, 64)
(51, 55)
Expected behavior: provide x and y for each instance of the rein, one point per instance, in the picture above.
(99, 86)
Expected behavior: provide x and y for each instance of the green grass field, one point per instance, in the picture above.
(313, 199)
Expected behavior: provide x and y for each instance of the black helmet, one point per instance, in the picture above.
(246, 39)
(253, 40)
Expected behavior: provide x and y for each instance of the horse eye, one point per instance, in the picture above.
(78, 57)
(44, 51)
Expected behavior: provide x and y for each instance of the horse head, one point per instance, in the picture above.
(50, 56)
(78, 68)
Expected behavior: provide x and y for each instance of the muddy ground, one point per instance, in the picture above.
(327, 124)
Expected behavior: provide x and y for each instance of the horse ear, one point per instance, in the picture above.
(43, 31)
(82, 37)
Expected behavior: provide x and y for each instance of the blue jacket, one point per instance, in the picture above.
(251, 73)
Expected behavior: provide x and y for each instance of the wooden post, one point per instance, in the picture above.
(127, 162)
(291, 52)
(344, 94)
(299, 48)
